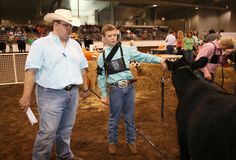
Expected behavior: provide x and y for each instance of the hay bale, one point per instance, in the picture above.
(92, 74)
(229, 78)
(148, 76)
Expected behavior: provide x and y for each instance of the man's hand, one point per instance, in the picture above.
(228, 52)
(105, 100)
(85, 93)
(207, 76)
(163, 63)
(25, 102)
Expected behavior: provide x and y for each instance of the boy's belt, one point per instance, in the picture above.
(123, 83)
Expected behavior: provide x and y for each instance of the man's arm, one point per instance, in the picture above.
(102, 79)
(206, 51)
(29, 81)
(86, 84)
(143, 57)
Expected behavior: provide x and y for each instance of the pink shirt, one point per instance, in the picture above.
(207, 50)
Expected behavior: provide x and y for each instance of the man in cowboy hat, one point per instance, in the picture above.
(57, 65)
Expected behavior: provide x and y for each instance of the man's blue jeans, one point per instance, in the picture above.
(122, 101)
(170, 49)
(57, 112)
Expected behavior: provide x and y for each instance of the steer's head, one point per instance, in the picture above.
(183, 63)
(182, 73)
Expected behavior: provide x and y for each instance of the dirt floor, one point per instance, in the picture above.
(89, 138)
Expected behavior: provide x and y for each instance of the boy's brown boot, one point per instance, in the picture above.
(112, 148)
(133, 148)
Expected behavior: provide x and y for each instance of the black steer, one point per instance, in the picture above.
(206, 116)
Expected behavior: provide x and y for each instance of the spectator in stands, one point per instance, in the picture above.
(189, 44)
(75, 36)
(87, 42)
(31, 38)
(3, 30)
(10, 41)
(180, 42)
(2, 45)
(171, 42)
(57, 65)
(21, 41)
(116, 74)
(214, 52)
(212, 35)
(3, 39)
(196, 40)
(119, 35)
(220, 32)
(144, 35)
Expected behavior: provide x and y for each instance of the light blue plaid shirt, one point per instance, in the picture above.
(129, 53)
(58, 66)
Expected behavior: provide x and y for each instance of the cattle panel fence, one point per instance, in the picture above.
(12, 68)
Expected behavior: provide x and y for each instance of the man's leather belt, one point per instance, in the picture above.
(123, 83)
(70, 87)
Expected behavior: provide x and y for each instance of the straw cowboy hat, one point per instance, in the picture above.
(62, 15)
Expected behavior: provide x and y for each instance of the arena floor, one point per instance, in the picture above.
(89, 139)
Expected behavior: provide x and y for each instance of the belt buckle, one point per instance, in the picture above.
(68, 88)
(123, 83)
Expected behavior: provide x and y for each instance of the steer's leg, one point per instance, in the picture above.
(184, 153)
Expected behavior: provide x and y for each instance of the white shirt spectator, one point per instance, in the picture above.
(170, 40)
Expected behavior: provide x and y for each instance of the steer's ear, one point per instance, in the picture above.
(199, 63)
(169, 65)
(173, 65)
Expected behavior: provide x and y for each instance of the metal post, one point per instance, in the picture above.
(40, 8)
(78, 7)
(14, 64)
(112, 12)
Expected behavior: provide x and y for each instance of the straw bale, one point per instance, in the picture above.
(229, 78)
(92, 74)
(148, 76)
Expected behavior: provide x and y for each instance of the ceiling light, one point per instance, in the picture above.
(196, 7)
(163, 18)
(154, 5)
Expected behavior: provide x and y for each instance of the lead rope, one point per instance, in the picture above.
(157, 148)
(162, 94)
(222, 76)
